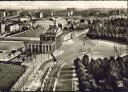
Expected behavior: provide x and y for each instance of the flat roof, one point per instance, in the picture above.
(48, 42)
(42, 42)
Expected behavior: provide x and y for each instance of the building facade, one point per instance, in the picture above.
(12, 28)
(49, 41)
(2, 28)
(38, 47)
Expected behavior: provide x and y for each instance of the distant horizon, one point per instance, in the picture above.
(62, 4)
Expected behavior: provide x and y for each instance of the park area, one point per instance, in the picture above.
(9, 74)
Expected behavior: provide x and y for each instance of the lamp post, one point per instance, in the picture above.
(91, 52)
(23, 78)
(84, 42)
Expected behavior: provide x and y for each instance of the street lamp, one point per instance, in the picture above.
(33, 67)
(84, 41)
(91, 53)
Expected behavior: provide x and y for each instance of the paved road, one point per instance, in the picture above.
(67, 80)
(99, 49)
(102, 49)
(51, 77)
(28, 75)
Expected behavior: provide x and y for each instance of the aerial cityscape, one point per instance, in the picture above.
(64, 46)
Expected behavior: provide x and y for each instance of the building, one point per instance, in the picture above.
(40, 47)
(49, 41)
(47, 13)
(8, 13)
(10, 27)
(3, 13)
(60, 13)
(11, 12)
(40, 14)
(71, 11)
(2, 28)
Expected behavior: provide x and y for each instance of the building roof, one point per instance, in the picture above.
(48, 42)
(43, 42)
(11, 45)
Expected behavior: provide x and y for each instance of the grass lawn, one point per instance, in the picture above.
(9, 74)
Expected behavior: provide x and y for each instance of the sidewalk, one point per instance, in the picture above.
(5, 57)
(36, 63)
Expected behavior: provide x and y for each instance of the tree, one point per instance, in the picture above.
(80, 72)
(82, 20)
(13, 52)
(85, 60)
(76, 61)
(23, 59)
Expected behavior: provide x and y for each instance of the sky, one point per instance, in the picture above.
(61, 4)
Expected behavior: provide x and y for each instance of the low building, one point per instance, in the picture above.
(12, 27)
(7, 13)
